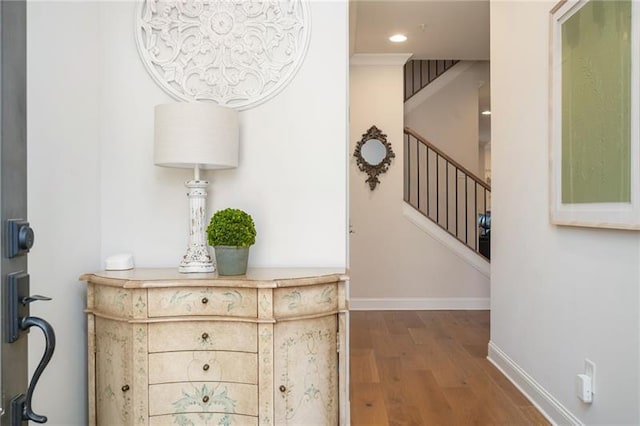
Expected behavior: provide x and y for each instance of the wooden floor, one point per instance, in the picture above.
(429, 368)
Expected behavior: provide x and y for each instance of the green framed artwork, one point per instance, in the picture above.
(594, 97)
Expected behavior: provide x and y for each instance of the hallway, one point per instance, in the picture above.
(429, 368)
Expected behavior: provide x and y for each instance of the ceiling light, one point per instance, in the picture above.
(398, 38)
(486, 112)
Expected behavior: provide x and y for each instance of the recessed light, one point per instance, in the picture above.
(398, 38)
(486, 112)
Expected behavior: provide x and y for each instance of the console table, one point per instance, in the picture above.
(268, 348)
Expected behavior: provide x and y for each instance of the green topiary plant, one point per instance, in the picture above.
(231, 227)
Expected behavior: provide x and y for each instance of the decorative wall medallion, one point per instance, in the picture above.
(237, 53)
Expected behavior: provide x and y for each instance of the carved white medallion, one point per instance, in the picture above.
(237, 53)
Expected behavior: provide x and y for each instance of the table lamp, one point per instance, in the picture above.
(199, 136)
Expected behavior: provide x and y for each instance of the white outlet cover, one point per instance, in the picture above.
(590, 370)
(584, 388)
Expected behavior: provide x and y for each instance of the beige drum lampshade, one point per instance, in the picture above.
(187, 134)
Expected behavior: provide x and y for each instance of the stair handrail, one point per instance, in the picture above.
(460, 167)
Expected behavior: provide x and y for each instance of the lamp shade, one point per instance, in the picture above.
(187, 134)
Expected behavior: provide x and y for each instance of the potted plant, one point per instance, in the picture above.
(231, 232)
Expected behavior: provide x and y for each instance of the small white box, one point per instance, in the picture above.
(584, 389)
(119, 262)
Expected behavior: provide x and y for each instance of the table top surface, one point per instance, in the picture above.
(255, 277)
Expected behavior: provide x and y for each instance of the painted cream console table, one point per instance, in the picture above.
(268, 348)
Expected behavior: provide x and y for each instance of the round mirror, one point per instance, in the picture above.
(373, 151)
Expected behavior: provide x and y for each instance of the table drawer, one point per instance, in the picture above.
(203, 397)
(203, 335)
(112, 301)
(203, 419)
(235, 302)
(298, 301)
(219, 366)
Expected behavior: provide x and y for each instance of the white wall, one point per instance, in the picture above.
(391, 258)
(292, 172)
(94, 190)
(449, 117)
(559, 294)
(484, 161)
(64, 197)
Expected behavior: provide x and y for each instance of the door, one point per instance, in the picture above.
(15, 233)
(306, 372)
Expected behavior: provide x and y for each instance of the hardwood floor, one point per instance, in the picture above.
(429, 368)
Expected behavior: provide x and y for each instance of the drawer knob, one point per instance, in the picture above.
(205, 336)
(125, 388)
(205, 367)
(205, 300)
(205, 399)
(282, 388)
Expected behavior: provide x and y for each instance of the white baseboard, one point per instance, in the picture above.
(420, 304)
(447, 240)
(549, 406)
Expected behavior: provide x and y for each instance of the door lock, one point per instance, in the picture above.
(20, 237)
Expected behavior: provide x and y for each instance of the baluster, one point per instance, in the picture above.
(457, 211)
(475, 212)
(407, 166)
(466, 209)
(437, 188)
(418, 171)
(446, 164)
(428, 183)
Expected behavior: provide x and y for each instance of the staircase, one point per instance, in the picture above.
(418, 74)
(447, 193)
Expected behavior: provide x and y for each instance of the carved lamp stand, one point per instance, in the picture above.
(202, 136)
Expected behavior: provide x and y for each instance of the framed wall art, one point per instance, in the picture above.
(594, 107)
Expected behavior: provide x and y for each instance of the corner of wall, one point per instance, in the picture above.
(543, 400)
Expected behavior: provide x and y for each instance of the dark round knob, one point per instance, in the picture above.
(205, 336)
(205, 399)
(282, 388)
(125, 388)
(25, 237)
(205, 367)
(205, 300)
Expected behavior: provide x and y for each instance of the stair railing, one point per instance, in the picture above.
(446, 192)
(418, 74)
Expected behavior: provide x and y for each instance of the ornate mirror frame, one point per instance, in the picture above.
(373, 170)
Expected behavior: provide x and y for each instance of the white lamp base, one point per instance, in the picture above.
(197, 259)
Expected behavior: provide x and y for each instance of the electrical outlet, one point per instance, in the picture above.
(583, 388)
(590, 371)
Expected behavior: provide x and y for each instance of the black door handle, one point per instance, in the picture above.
(50, 345)
(17, 322)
